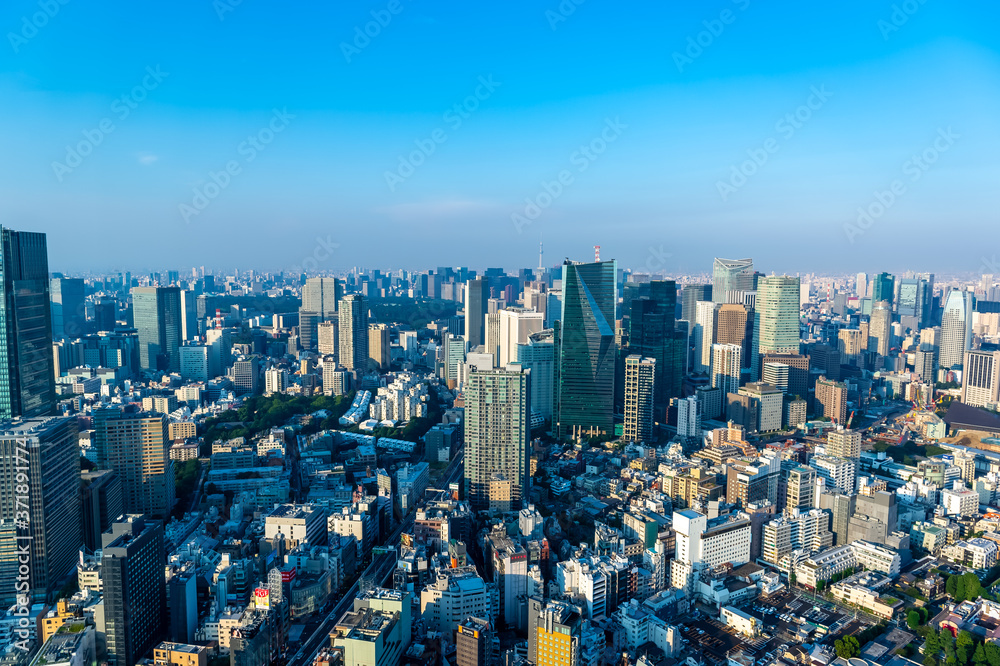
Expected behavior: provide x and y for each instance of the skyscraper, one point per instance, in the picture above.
(353, 332)
(640, 385)
(981, 378)
(321, 295)
(28, 386)
(133, 571)
(477, 295)
(539, 356)
(690, 295)
(706, 313)
(776, 319)
(726, 364)
(157, 313)
(516, 324)
(69, 314)
(956, 329)
(653, 334)
(39, 504)
(883, 288)
(497, 408)
(880, 328)
(378, 346)
(136, 447)
(587, 350)
(730, 277)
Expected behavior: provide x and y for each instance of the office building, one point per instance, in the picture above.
(539, 356)
(851, 345)
(68, 302)
(133, 566)
(474, 643)
(554, 633)
(981, 379)
(39, 504)
(516, 324)
(454, 596)
(587, 355)
(378, 346)
(195, 360)
(880, 328)
(731, 278)
(839, 473)
(308, 329)
(477, 295)
(246, 375)
(322, 295)
(734, 326)
(189, 315)
(326, 338)
(497, 409)
(157, 314)
(776, 319)
(27, 388)
(653, 334)
(767, 401)
(353, 333)
(925, 363)
(137, 448)
(703, 332)
(688, 418)
(844, 443)
(956, 329)
(102, 503)
(883, 288)
(702, 544)
(875, 517)
(507, 565)
(841, 508)
(726, 363)
(690, 295)
(796, 487)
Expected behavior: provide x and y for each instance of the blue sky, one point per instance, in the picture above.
(669, 124)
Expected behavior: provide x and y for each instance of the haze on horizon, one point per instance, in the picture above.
(428, 143)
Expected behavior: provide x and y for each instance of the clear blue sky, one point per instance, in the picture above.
(652, 199)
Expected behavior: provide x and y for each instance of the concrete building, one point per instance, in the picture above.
(453, 597)
(831, 396)
(981, 379)
(376, 632)
(639, 393)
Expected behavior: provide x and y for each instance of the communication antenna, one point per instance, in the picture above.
(597, 253)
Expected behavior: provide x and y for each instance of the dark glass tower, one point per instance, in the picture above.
(69, 316)
(587, 350)
(884, 288)
(27, 380)
(157, 313)
(652, 335)
(477, 296)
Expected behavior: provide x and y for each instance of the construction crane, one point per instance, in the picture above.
(849, 419)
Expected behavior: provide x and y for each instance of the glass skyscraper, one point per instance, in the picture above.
(776, 321)
(587, 350)
(27, 379)
(652, 335)
(731, 275)
(157, 313)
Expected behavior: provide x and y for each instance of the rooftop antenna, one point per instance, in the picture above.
(540, 253)
(597, 254)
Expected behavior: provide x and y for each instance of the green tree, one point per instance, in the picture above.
(992, 654)
(913, 619)
(951, 586)
(973, 588)
(960, 589)
(847, 647)
(979, 656)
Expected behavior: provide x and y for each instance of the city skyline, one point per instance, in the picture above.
(674, 107)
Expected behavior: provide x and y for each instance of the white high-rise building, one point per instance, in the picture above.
(516, 324)
(726, 363)
(838, 473)
(706, 313)
(688, 418)
(980, 378)
(956, 329)
(275, 381)
(703, 546)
